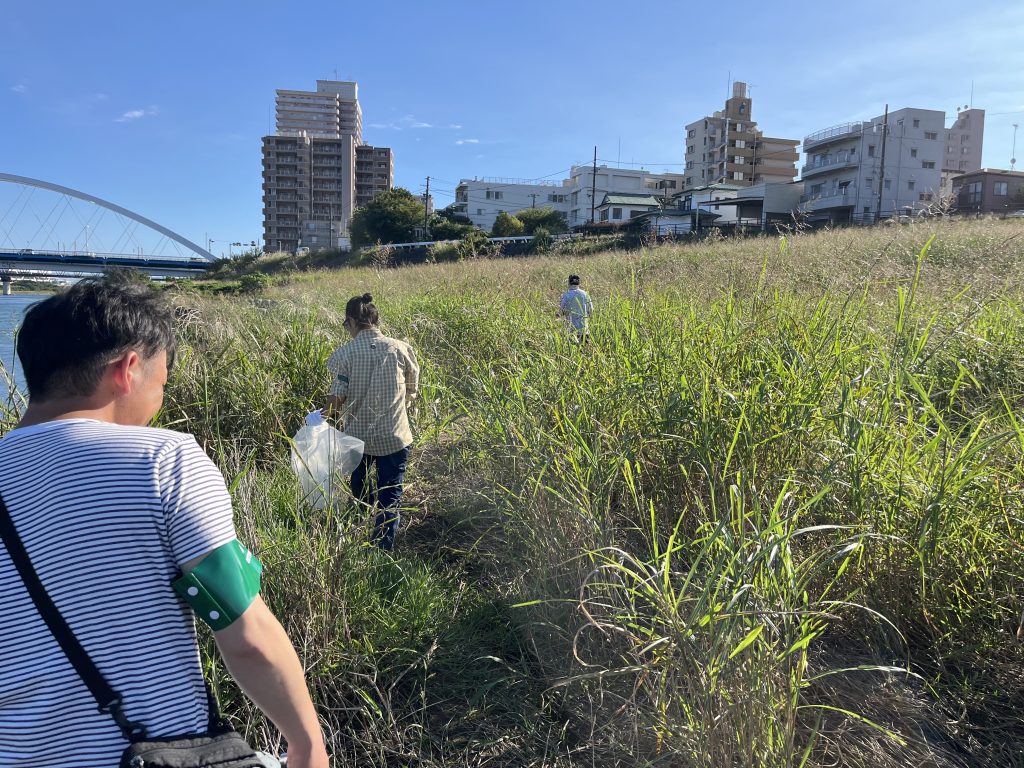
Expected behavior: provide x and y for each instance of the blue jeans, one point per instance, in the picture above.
(387, 494)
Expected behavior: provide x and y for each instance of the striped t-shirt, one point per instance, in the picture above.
(107, 513)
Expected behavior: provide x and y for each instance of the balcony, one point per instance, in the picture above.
(827, 165)
(835, 133)
(822, 200)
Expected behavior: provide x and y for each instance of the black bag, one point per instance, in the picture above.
(220, 747)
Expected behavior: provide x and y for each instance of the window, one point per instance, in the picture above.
(689, 164)
(867, 209)
(689, 149)
(556, 198)
(887, 184)
(913, 152)
(604, 215)
(737, 175)
(974, 193)
(871, 150)
(917, 123)
(925, 197)
(911, 185)
(739, 160)
(931, 135)
(964, 138)
(928, 164)
(743, 108)
(494, 195)
(689, 179)
(816, 190)
(965, 150)
(479, 211)
(741, 144)
(741, 127)
(691, 133)
(868, 182)
(616, 213)
(963, 165)
(1000, 189)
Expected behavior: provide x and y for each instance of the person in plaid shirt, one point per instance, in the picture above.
(375, 380)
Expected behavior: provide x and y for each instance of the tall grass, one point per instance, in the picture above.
(771, 516)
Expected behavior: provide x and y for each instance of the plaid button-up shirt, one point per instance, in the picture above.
(378, 376)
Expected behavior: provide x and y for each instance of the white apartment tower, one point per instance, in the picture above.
(316, 169)
(844, 175)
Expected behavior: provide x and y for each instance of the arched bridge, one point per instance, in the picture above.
(47, 229)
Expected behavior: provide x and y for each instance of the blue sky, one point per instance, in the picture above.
(160, 106)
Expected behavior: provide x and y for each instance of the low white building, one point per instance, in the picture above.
(576, 197)
(711, 199)
(481, 200)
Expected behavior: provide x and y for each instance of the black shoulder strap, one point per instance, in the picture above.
(108, 700)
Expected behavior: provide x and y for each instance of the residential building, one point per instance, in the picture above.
(964, 141)
(481, 200)
(329, 111)
(767, 205)
(576, 197)
(619, 207)
(844, 176)
(989, 190)
(728, 148)
(316, 169)
(375, 172)
(712, 198)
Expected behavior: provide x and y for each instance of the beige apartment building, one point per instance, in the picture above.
(316, 169)
(728, 148)
(964, 141)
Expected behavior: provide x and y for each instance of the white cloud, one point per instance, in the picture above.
(135, 114)
(418, 124)
(460, 142)
(19, 88)
(455, 126)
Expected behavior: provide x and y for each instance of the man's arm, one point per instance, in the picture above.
(412, 374)
(261, 659)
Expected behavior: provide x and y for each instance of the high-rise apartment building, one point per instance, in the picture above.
(316, 169)
(845, 179)
(728, 148)
(964, 141)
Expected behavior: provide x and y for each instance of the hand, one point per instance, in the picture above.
(308, 758)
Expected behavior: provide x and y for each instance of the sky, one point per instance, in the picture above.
(160, 107)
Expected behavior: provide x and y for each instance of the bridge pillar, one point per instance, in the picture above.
(7, 284)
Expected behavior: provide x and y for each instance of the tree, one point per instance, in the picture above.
(447, 228)
(507, 225)
(391, 217)
(541, 218)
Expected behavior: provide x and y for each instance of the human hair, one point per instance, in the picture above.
(574, 279)
(362, 311)
(66, 341)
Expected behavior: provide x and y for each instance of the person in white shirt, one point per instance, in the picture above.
(577, 308)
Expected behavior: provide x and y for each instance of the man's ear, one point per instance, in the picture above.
(124, 371)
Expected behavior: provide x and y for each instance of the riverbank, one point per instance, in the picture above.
(771, 514)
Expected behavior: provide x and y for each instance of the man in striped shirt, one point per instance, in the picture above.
(110, 512)
(375, 379)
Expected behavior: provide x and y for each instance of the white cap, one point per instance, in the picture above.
(314, 419)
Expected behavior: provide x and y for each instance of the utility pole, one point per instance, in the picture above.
(881, 174)
(426, 206)
(593, 187)
(533, 196)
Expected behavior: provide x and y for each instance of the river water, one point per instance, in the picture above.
(12, 310)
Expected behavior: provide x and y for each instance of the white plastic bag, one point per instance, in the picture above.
(323, 458)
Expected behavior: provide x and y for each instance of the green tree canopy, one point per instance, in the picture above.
(449, 228)
(507, 225)
(391, 217)
(541, 218)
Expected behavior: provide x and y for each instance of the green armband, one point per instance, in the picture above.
(223, 585)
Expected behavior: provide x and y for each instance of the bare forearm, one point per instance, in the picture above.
(261, 659)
